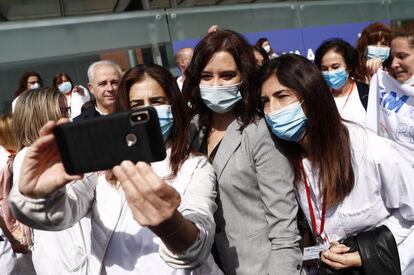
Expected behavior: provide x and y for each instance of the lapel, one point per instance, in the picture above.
(230, 142)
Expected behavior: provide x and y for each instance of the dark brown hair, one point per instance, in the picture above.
(57, 79)
(327, 135)
(242, 53)
(179, 135)
(23, 82)
(371, 35)
(341, 47)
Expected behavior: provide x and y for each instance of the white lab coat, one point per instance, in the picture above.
(383, 194)
(196, 184)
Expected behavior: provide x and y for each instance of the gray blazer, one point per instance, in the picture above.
(256, 217)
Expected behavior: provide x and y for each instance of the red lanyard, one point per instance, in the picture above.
(11, 152)
(312, 213)
(349, 94)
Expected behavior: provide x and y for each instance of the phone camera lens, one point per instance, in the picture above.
(131, 139)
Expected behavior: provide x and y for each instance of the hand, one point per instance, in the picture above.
(213, 28)
(78, 89)
(373, 65)
(42, 170)
(338, 258)
(151, 200)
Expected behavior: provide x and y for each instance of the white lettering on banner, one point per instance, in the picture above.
(391, 109)
(311, 55)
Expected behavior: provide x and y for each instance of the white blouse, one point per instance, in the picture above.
(383, 194)
(350, 107)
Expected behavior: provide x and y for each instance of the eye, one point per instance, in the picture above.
(206, 76)
(228, 76)
(135, 105)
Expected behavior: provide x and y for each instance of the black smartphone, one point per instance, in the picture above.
(103, 142)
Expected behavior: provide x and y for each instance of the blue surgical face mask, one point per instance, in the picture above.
(165, 117)
(378, 52)
(336, 79)
(288, 123)
(65, 87)
(220, 99)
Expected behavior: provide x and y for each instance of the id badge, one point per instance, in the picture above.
(313, 252)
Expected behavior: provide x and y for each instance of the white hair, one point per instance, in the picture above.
(96, 64)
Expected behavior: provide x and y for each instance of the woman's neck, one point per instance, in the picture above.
(344, 90)
(220, 122)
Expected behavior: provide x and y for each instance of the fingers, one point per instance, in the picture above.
(150, 198)
(339, 248)
(63, 120)
(341, 260)
(47, 128)
(329, 258)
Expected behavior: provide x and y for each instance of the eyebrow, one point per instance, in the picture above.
(280, 91)
(158, 97)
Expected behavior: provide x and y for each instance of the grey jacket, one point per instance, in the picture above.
(256, 217)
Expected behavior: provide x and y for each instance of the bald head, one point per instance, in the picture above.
(183, 58)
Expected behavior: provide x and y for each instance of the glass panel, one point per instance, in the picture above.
(194, 22)
(316, 13)
(81, 35)
(402, 9)
(77, 7)
(27, 9)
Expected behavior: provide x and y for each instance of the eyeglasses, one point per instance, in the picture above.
(65, 111)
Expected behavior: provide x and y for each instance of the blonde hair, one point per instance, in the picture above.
(7, 139)
(33, 109)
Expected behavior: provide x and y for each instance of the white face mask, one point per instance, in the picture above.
(267, 48)
(220, 99)
(65, 87)
(35, 85)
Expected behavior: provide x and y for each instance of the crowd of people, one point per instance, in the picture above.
(272, 166)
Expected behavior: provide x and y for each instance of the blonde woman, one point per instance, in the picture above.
(62, 252)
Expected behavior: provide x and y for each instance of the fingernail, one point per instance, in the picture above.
(141, 165)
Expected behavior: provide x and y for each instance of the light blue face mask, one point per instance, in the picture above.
(220, 99)
(65, 87)
(165, 117)
(336, 79)
(288, 123)
(378, 52)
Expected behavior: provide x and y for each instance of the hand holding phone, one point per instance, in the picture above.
(101, 143)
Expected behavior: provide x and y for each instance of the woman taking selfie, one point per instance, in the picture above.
(348, 179)
(154, 219)
(256, 217)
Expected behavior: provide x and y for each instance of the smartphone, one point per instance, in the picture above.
(101, 143)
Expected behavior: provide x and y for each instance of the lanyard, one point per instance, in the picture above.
(311, 212)
(349, 94)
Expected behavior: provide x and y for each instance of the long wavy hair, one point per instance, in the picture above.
(242, 53)
(327, 135)
(23, 82)
(179, 135)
